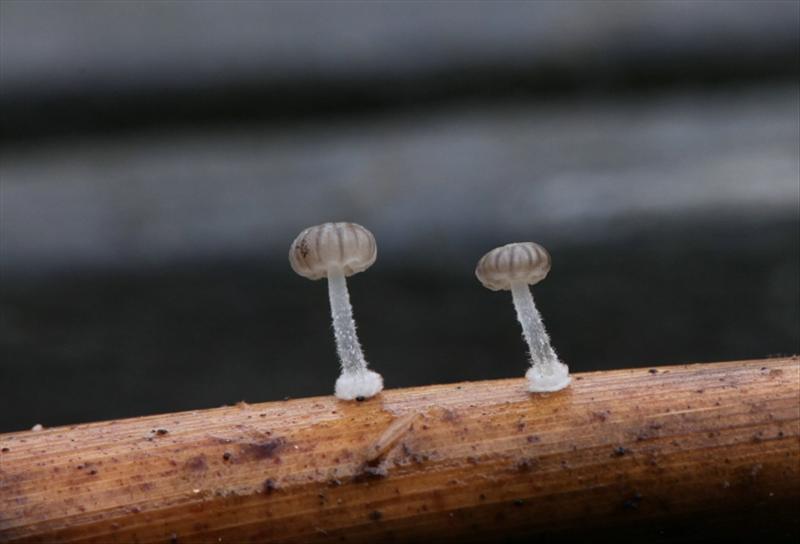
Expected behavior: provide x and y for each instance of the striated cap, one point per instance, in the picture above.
(524, 261)
(348, 246)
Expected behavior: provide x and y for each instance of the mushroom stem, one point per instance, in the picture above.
(547, 373)
(344, 327)
(356, 380)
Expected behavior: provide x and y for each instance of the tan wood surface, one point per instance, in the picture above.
(617, 450)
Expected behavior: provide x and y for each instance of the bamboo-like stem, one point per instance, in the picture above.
(651, 449)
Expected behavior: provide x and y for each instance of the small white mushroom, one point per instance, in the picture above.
(335, 251)
(514, 267)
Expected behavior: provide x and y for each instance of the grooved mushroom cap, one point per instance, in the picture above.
(348, 246)
(524, 261)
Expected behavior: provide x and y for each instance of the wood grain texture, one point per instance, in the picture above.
(457, 462)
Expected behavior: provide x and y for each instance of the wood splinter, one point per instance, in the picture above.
(390, 437)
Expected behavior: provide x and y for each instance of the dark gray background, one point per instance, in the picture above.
(159, 157)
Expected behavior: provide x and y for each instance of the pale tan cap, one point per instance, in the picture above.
(348, 246)
(526, 262)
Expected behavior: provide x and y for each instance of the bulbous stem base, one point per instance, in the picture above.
(546, 379)
(364, 384)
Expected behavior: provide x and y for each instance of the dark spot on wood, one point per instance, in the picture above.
(520, 426)
(526, 464)
(346, 454)
(196, 463)
(263, 450)
(226, 456)
(653, 371)
(375, 515)
(633, 502)
(620, 451)
(369, 472)
(600, 416)
(173, 538)
(360, 398)
(482, 497)
(269, 486)
(92, 472)
(5, 450)
(415, 457)
(450, 416)
(532, 439)
(518, 502)
(161, 432)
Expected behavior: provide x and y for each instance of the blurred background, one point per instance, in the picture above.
(158, 158)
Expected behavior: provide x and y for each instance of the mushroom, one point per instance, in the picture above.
(335, 251)
(513, 267)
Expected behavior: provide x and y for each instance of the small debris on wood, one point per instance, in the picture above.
(619, 451)
(269, 486)
(633, 502)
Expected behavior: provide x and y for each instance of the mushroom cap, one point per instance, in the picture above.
(348, 246)
(523, 261)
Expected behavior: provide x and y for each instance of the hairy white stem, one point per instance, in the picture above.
(547, 373)
(356, 381)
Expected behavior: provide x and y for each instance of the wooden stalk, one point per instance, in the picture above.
(653, 452)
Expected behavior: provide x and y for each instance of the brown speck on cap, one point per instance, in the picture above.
(348, 246)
